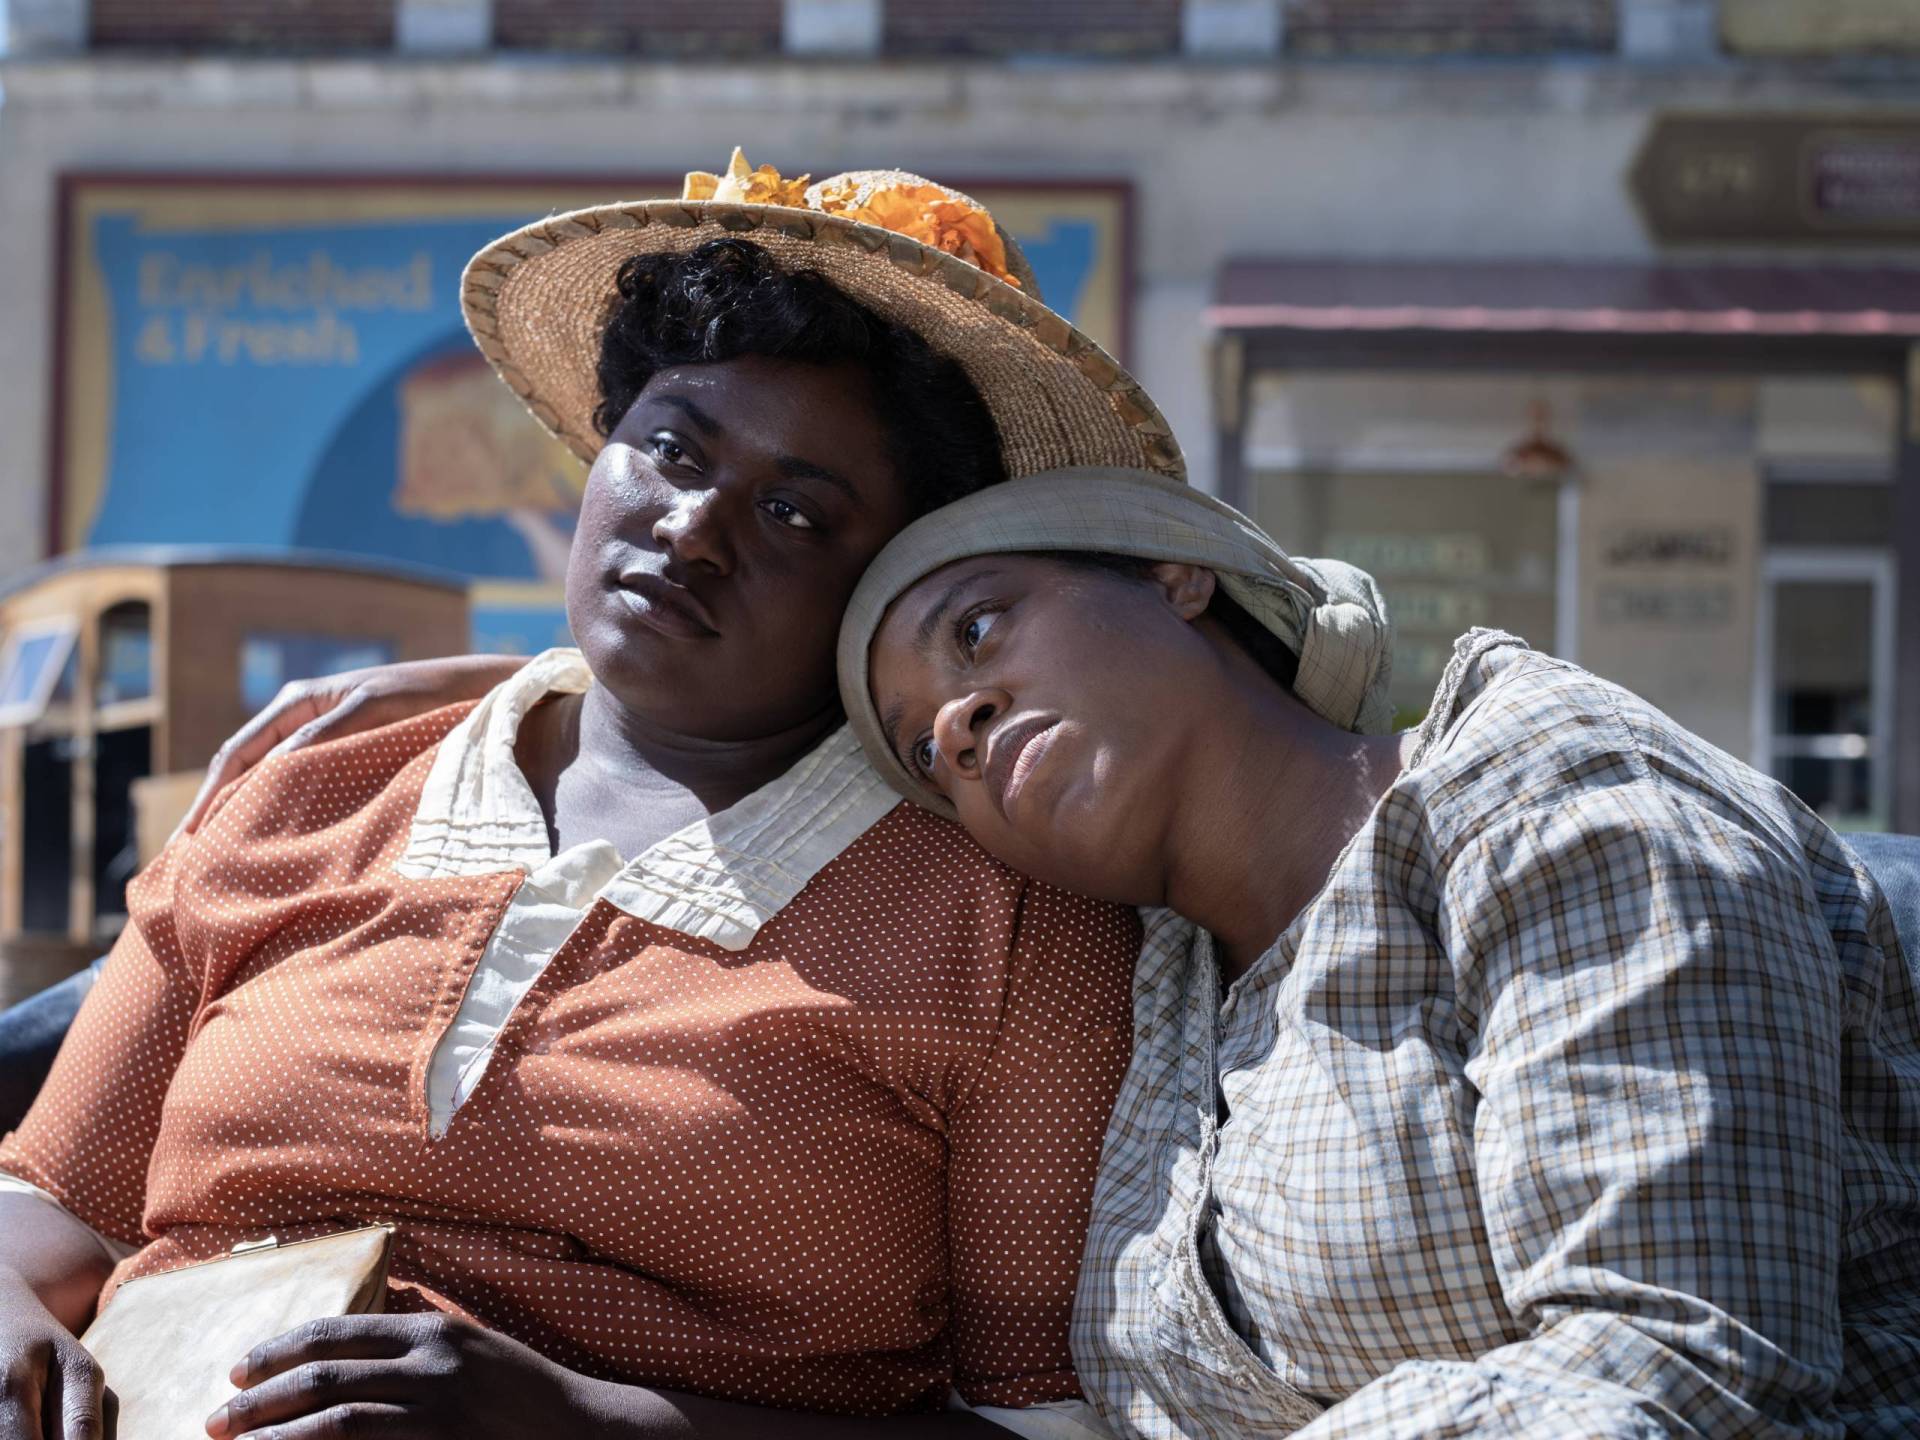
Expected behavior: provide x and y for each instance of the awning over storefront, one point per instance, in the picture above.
(1531, 298)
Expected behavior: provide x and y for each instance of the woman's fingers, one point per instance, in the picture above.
(360, 1420)
(293, 707)
(52, 1392)
(349, 717)
(340, 1337)
(306, 712)
(307, 1389)
(23, 1384)
(75, 1393)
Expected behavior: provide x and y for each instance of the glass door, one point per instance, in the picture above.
(1823, 702)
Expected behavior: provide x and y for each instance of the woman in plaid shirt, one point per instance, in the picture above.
(1542, 1071)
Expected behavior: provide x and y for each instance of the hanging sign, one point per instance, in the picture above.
(1733, 178)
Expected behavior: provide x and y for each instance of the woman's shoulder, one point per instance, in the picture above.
(913, 872)
(916, 845)
(1533, 738)
(1515, 732)
(1509, 729)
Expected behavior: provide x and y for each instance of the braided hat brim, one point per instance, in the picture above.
(538, 300)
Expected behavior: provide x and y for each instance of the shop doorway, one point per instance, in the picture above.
(1823, 702)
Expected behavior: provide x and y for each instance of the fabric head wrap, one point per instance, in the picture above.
(1329, 614)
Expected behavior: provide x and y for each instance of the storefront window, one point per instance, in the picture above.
(1450, 552)
(1717, 544)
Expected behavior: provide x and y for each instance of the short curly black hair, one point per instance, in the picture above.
(728, 299)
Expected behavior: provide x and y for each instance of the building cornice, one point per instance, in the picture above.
(875, 89)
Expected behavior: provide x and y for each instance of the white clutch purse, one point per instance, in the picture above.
(168, 1341)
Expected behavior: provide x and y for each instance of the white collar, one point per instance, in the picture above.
(719, 879)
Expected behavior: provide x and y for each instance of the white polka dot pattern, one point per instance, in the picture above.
(840, 1170)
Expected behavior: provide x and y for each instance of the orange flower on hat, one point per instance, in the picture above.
(920, 212)
(744, 186)
(928, 214)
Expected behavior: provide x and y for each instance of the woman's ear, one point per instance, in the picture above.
(1188, 588)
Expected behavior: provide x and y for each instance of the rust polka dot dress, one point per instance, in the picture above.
(838, 1158)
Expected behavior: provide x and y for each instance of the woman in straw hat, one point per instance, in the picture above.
(621, 992)
(1542, 1071)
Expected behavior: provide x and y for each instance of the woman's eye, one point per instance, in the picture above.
(787, 514)
(667, 449)
(924, 755)
(975, 629)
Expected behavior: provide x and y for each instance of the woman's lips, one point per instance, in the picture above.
(669, 608)
(1014, 750)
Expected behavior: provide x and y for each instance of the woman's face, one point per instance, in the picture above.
(1050, 703)
(723, 528)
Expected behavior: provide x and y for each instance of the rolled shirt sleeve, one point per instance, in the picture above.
(1654, 1023)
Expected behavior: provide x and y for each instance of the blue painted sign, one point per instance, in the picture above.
(306, 380)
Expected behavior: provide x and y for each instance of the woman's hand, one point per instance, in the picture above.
(49, 1384)
(306, 712)
(431, 1377)
(403, 1377)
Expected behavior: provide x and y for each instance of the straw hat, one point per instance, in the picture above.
(1329, 614)
(916, 253)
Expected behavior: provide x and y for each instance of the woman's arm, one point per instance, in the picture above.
(58, 1259)
(51, 1271)
(309, 711)
(1652, 1015)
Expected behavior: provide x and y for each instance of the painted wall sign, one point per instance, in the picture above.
(1695, 545)
(1446, 556)
(282, 362)
(1667, 609)
(1683, 605)
(1780, 178)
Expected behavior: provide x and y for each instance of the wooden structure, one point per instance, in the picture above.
(118, 665)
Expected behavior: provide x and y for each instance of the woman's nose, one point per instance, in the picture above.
(960, 729)
(693, 528)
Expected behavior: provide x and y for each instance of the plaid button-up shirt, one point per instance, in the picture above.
(1584, 1100)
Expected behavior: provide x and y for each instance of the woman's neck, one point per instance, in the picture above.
(1273, 795)
(602, 772)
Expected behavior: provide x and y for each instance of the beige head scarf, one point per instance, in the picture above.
(1329, 614)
